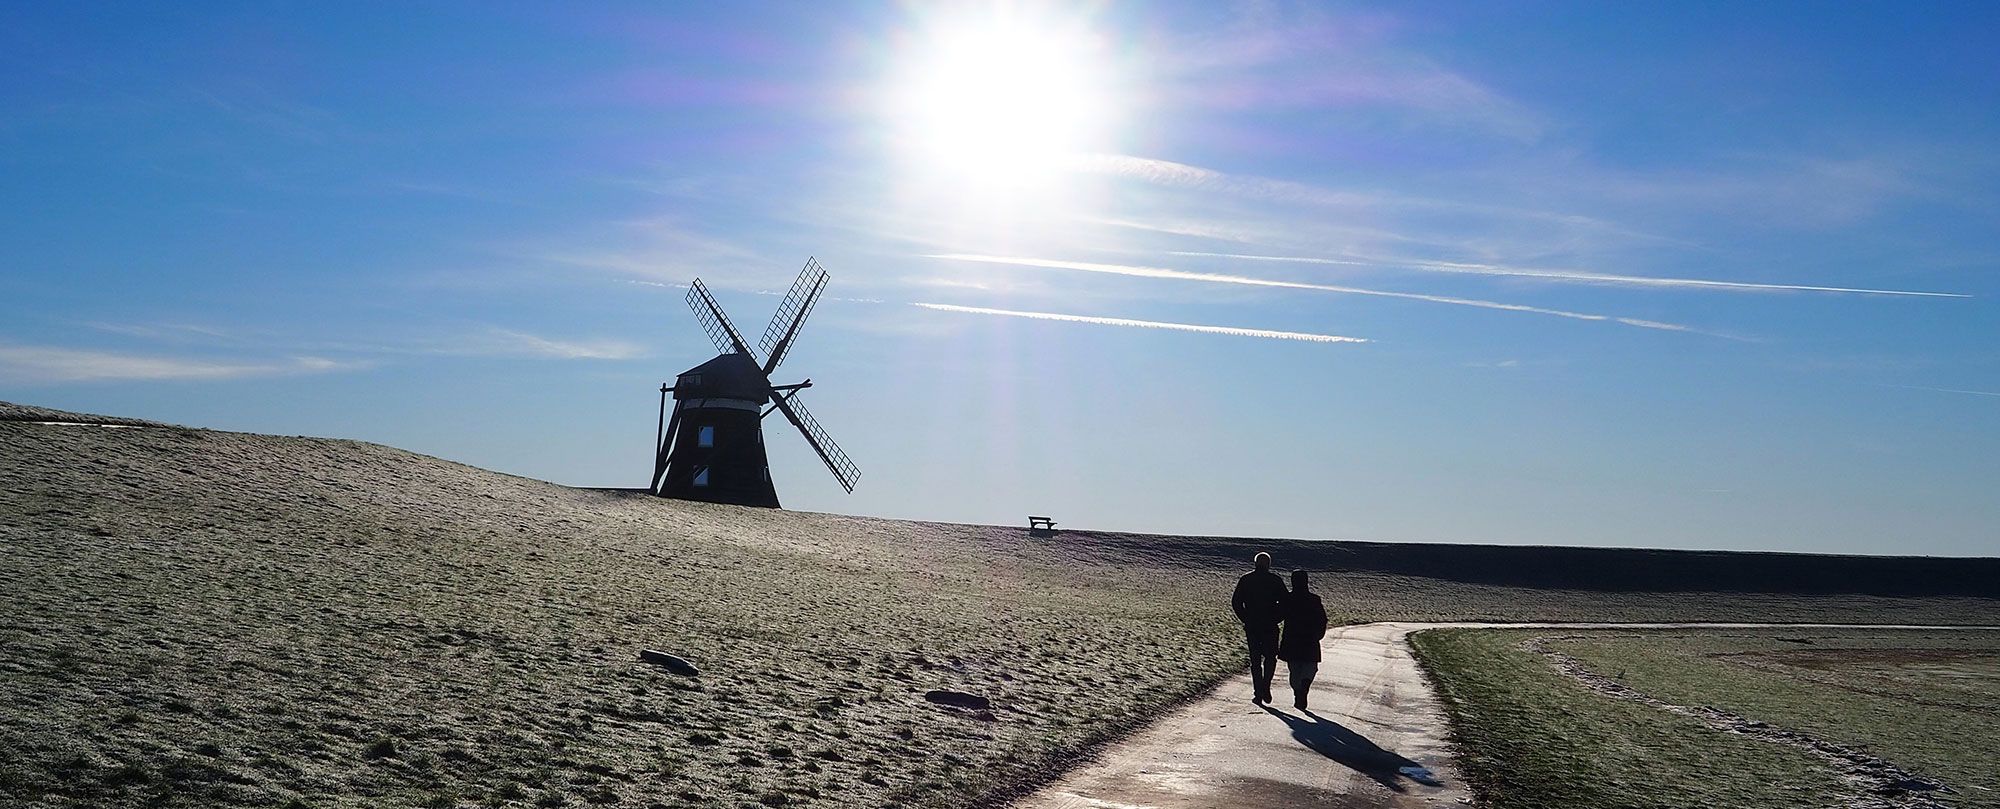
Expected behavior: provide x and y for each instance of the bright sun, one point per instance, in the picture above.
(1001, 99)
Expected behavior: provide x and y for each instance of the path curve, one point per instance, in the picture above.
(1374, 736)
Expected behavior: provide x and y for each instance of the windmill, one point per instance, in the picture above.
(712, 447)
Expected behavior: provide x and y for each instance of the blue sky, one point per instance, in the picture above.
(1677, 275)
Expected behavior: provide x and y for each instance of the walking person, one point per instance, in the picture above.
(1305, 625)
(1259, 602)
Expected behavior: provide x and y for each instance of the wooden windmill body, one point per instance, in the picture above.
(711, 446)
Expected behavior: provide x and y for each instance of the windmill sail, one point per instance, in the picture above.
(792, 312)
(836, 459)
(712, 449)
(716, 323)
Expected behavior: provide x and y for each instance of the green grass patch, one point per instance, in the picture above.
(1929, 702)
(1531, 738)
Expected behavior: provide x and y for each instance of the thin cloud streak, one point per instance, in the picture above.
(1572, 275)
(54, 365)
(160, 331)
(516, 343)
(1182, 175)
(1270, 334)
(1169, 174)
(501, 343)
(1952, 390)
(1183, 275)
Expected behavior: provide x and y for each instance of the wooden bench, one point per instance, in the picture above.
(1041, 523)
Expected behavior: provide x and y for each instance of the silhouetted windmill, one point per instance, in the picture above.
(713, 446)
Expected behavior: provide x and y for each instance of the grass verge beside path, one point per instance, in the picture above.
(1928, 702)
(1531, 738)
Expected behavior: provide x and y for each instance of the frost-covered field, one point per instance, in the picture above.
(201, 618)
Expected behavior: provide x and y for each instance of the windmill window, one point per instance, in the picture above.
(767, 474)
(705, 437)
(701, 476)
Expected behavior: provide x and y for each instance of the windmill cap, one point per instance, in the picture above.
(728, 376)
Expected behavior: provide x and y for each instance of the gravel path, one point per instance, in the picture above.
(1375, 736)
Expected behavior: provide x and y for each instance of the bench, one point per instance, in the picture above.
(1041, 523)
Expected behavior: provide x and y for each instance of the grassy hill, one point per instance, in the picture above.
(201, 618)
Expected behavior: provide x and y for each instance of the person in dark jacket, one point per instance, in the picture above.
(1305, 624)
(1259, 603)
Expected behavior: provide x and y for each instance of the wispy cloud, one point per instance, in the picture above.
(1182, 175)
(455, 191)
(1571, 275)
(1289, 58)
(1170, 174)
(1198, 230)
(518, 343)
(285, 117)
(1777, 189)
(1951, 390)
(1270, 334)
(654, 248)
(161, 331)
(472, 341)
(54, 365)
(506, 343)
(1220, 278)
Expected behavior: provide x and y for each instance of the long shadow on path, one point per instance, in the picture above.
(1353, 750)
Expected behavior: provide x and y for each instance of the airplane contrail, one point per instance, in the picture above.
(1576, 275)
(1950, 390)
(1148, 324)
(1221, 278)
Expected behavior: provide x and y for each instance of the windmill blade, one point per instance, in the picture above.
(792, 312)
(713, 321)
(837, 462)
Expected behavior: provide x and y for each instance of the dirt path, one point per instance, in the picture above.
(1374, 737)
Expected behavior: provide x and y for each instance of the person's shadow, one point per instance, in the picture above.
(1328, 738)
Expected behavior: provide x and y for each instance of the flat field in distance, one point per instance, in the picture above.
(202, 618)
(1926, 701)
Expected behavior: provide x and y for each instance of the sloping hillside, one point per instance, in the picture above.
(191, 617)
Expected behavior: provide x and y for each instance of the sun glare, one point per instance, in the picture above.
(1001, 99)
